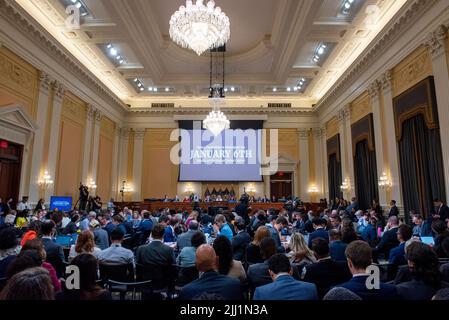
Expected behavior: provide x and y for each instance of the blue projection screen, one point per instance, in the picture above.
(233, 155)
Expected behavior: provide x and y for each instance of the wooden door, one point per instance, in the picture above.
(10, 170)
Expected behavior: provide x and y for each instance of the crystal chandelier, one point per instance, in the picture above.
(200, 27)
(216, 120)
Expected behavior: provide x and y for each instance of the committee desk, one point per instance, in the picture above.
(188, 206)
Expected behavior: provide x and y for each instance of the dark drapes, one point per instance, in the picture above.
(419, 145)
(421, 163)
(334, 172)
(365, 170)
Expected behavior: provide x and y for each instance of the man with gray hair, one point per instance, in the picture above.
(184, 240)
(389, 239)
(84, 224)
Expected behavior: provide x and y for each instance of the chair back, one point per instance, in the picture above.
(187, 275)
(162, 276)
(117, 272)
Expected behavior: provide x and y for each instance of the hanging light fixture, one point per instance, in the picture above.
(200, 27)
(216, 121)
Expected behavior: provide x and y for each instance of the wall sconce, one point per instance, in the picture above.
(251, 189)
(345, 186)
(126, 188)
(91, 184)
(385, 182)
(46, 180)
(313, 189)
(189, 189)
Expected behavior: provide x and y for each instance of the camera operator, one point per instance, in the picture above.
(84, 196)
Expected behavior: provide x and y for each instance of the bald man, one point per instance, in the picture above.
(210, 282)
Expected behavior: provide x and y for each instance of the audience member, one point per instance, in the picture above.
(54, 251)
(336, 246)
(89, 289)
(221, 227)
(325, 273)
(441, 232)
(319, 225)
(300, 254)
(184, 240)
(341, 294)
(9, 248)
(101, 236)
(421, 227)
(30, 284)
(241, 240)
(85, 243)
(71, 227)
(253, 254)
(210, 281)
(156, 252)
(116, 254)
(275, 226)
(397, 255)
(226, 264)
(359, 255)
(284, 286)
(186, 257)
(258, 273)
(389, 239)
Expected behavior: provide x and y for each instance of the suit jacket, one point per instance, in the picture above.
(443, 212)
(358, 286)
(394, 211)
(169, 235)
(55, 255)
(185, 239)
(388, 241)
(286, 287)
(275, 235)
(326, 273)
(155, 253)
(212, 282)
(320, 233)
(397, 255)
(415, 290)
(239, 244)
(337, 250)
(101, 238)
(258, 275)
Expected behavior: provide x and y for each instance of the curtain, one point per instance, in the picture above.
(365, 169)
(334, 174)
(421, 163)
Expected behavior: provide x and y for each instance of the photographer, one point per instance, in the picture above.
(84, 196)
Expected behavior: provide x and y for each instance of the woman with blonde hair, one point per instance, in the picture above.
(253, 254)
(300, 253)
(84, 244)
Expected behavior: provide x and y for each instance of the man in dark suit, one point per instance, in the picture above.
(441, 210)
(336, 246)
(359, 255)
(184, 240)
(54, 251)
(275, 226)
(241, 240)
(146, 225)
(284, 286)
(258, 273)
(210, 283)
(389, 239)
(394, 211)
(397, 254)
(319, 225)
(156, 253)
(326, 272)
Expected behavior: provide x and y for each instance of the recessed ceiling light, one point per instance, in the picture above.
(275, 89)
(84, 14)
(347, 5)
(78, 5)
(113, 51)
(118, 57)
(109, 46)
(232, 89)
(139, 84)
(141, 89)
(320, 50)
(226, 89)
(135, 80)
(289, 89)
(155, 89)
(167, 89)
(150, 89)
(295, 89)
(73, 1)
(121, 61)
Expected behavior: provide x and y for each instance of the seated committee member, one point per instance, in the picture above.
(241, 240)
(156, 252)
(116, 254)
(359, 255)
(184, 240)
(284, 286)
(319, 225)
(210, 281)
(325, 273)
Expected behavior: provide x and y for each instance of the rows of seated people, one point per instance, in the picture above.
(263, 255)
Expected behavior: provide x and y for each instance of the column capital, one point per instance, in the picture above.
(386, 80)
(98, 115)
(373, 89)
(59, 90)
(303, 133)
(90, 112)
(124, 132)
(317, 132)
(344, 113)
(117, 131)
(44, 82)
(436, 41)
(139, 133)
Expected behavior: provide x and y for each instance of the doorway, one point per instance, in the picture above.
(10, 169)
(281, 185)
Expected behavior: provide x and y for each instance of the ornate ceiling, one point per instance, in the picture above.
(272, 46)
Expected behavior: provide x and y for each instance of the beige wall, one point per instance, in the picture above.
(104, 173)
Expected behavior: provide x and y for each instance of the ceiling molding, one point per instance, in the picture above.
(177, 111)
(384, 40)
(30, 28)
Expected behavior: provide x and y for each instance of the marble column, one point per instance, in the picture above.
(320, 162)
(123, 157)
(55, 125)
(115, 164)
(139, 135)
(324, 163)
(374, 91)
(87, 146)
(304, 164)
(343, 116)
(95, 147)
(437, 44)
(38, 143)
(392, 169)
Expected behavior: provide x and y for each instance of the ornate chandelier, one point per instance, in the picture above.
(216, 120)
(200, 27)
